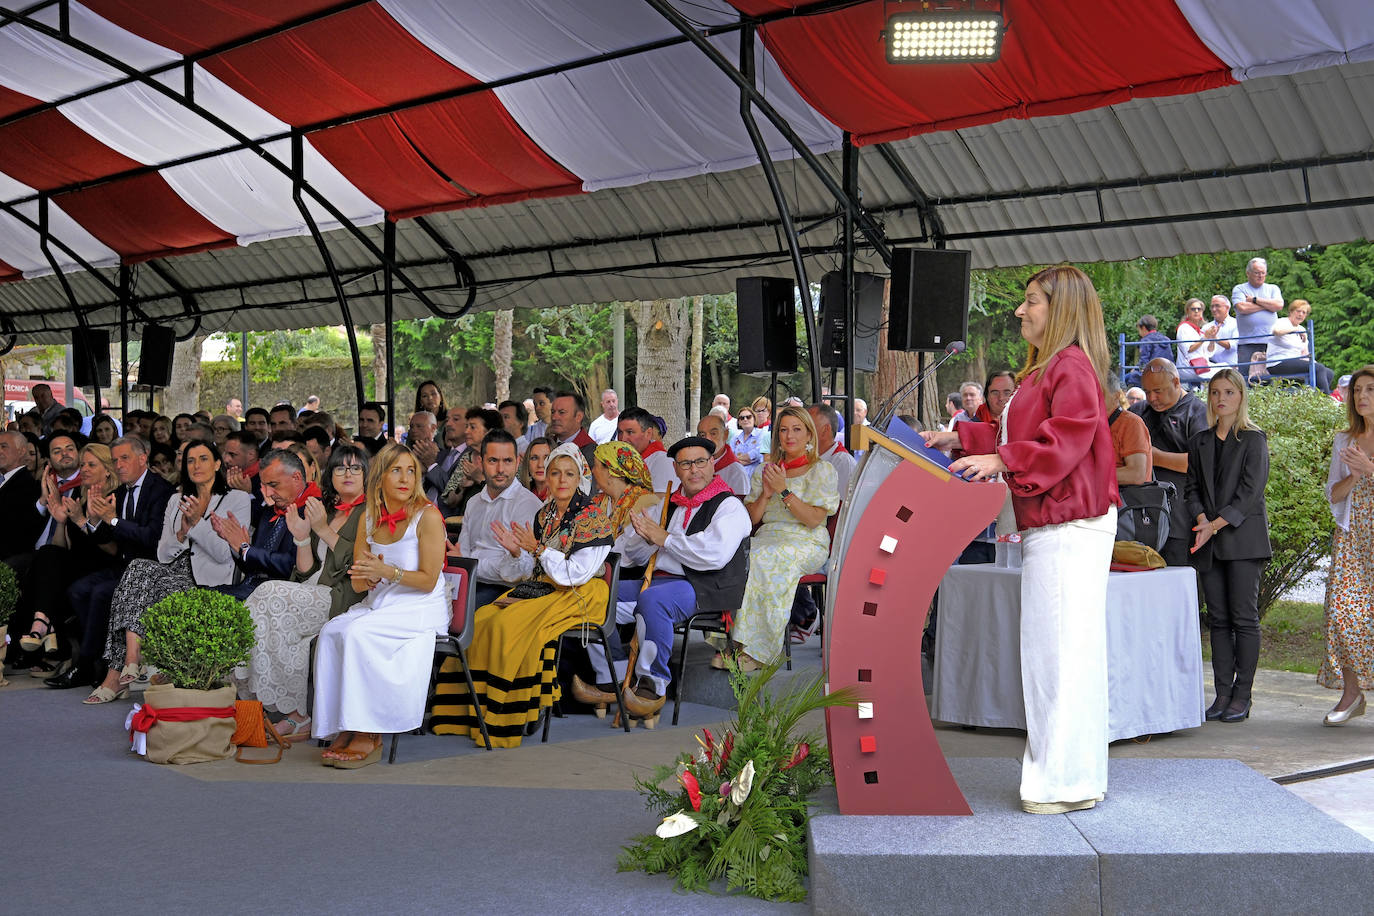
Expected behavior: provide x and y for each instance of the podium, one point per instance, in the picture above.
(904, 522)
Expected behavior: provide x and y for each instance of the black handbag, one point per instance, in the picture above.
(1144, 515)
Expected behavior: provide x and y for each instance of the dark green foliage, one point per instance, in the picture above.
(197, 637)
(9, 593)
(758, 845)
(1339, 282)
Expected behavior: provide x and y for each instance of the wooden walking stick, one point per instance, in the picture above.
(634, 641)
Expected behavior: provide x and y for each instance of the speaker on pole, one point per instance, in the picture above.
(868, 315)
(85, 346)
(928, 309)
(155, 358)
(767, 324)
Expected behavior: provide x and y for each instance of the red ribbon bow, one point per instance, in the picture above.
(392, 519)
(312, 490)
(147, 716)
(346, 508)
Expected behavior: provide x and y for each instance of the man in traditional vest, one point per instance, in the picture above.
(702, 565)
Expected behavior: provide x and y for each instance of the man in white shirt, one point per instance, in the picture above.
(1219, 335)
(827, 420)
(728, 467)
(703, 564)
(1257, 307)
(603, 428)
(860, 412)
(486, 535)
(731, 424)
(637, 427)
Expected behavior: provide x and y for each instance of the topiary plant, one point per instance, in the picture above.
(9, 593)
(197, 637)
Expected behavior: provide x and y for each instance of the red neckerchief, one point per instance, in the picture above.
(983, 415)
(392, 519)
(541, 492)
(581, 440)
(839, 448)
(63, 488)
(688, 503)
(652, 448)
(794, 463)
(312, 490)
(346, 508)
(251, 470)
(724, 461)
(1195, 327)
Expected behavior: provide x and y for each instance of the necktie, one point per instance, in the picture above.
(131, 502)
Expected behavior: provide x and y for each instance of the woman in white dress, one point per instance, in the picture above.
(372, 663)
(288, 614)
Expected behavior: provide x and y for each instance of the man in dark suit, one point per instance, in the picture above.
(131, 517)
(1173, 416)
(371, 427)
(270, 551)
(19, 494)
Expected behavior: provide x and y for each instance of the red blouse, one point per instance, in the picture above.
(1059, 457)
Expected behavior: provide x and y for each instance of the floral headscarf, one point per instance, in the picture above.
(623, 460)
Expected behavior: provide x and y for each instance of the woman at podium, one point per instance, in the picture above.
(1054, 451)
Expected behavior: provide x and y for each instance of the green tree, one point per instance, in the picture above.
(1339, 282)
(269, 350)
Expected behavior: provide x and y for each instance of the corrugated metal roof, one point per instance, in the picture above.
(1240, 168)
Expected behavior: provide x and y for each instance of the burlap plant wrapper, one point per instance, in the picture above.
(190, 742)
(4, 629)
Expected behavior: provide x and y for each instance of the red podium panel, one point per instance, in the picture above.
(909, 529)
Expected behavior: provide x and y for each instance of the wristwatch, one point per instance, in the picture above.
(784, 493)
(243, 550)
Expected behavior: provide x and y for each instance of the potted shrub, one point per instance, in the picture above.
(9, 597)
(195, 638)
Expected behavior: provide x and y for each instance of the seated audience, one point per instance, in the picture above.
(371, 427)
(791, 496)
(623, 486)
(542, 407)
(748, 445)
(1172, 416)
(515, 419)
(103, 429)
(486, 535)
(826, 421)
(568, 422)
(183, 421)
(535, 466)
(255, 421)
(288, 614)
(702, 565)
(1134, 396)
(512, 652)
(372, 663)
(222, 426)
(1130, 439)
(465, 480)
(163, 459)
(189, 554)
(1290, 355)
(282, 419)
(266, 552)
(428, 397)
(727, 466)
(637, 427)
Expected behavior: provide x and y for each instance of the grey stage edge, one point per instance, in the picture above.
(1173, 836)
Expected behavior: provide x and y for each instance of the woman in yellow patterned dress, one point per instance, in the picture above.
(1349, 663)
(792, 495)
(512, 652)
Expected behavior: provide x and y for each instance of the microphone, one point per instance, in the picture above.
(889, 406)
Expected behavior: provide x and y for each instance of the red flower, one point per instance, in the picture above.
(689, 782)
(798, 756)
(725, 751)
(709, 745)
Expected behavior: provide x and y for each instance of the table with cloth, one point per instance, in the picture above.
(1154, 652)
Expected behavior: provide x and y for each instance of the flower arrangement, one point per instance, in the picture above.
(197, 637)
(736, 809)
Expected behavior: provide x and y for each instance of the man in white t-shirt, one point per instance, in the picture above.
(1219, 335)
(603, 427)
(1257, 306)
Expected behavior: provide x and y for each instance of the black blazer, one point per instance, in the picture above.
(19, 509)
(1239, 498)
(137, 537)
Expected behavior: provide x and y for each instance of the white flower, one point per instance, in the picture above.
(743, 783)
(676, 825)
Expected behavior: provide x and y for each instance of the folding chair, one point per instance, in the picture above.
(817, 583)
(610, 573)
(461, 573)
(703, 622)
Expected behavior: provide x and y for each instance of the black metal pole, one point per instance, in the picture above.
(850, 174)
(388, 313)
(813, 339)
(125, 294)
(82, 325)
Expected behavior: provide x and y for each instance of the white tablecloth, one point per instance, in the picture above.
(1154, 652)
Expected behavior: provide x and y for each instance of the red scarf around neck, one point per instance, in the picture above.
(348, 507)
(312, 490)
(688, 503)
(651, 449)
(63, 488)
(724, 461)
(392, 519)
(792, 464)
(252, 470)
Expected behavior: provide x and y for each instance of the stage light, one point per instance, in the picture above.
(942, 36)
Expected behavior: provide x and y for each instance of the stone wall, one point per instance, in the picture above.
(328, 377)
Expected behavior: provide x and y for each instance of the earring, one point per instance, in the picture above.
(810, 446)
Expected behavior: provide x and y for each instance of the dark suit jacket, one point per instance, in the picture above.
(436, 478)
(137, 537)
(1238, 497)
(18, 508)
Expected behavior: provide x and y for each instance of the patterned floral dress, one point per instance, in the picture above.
(1350, 595)
(782, 552)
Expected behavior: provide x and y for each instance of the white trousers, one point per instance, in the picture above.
(1064, 658)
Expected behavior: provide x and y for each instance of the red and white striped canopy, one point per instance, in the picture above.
(409, 107)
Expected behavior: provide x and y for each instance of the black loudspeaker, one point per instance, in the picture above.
(928, 309)
(868, 315)
(767, 324)
(84, 346)
(155, 359)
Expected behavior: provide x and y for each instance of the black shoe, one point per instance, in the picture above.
(1238, 711)
(1218, 707)
(76, 676)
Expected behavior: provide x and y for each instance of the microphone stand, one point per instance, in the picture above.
(889, 406)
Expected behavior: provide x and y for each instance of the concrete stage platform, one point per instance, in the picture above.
(1173, 836)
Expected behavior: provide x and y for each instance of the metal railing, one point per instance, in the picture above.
(1122, 343)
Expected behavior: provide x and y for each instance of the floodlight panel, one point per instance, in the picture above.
(942, 37)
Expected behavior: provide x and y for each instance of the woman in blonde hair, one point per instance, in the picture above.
(791, 495)
(372, 663)
(1228, 466)
(1055, 453)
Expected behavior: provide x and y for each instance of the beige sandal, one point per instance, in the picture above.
(102, 695)
(130, 673)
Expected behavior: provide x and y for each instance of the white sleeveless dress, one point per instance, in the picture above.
(372, 664)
